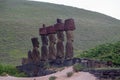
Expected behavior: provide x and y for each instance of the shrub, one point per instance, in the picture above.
(69, 74)
(4, 74)
(52, 78)
(104, 52)
(46, 65)
(77, 67)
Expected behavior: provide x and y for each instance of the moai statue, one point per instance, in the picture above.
(69, 27)
(30, 56)
(44, 49)
(59, 27)
(24, 61)
(52, 41)
(28, 59)
(35, 52)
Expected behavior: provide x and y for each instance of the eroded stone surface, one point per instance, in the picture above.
(52, 49)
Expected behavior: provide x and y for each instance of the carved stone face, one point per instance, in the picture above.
(69, 24)
(52, 38)
(69, 35)
(60, 35)
(36, 44)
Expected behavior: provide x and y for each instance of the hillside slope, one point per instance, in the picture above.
(20, 21)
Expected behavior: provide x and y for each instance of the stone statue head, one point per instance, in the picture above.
(59, 20)
(35, 42)
(43, 25)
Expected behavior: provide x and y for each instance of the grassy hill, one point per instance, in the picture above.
(20, 21)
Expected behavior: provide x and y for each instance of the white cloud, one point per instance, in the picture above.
(108, 7)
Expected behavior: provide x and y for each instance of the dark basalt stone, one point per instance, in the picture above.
(56, 63)
(64, 62)
(35, 42)
(29, 69)
(39, 69)
(76, 60)
(33, 70)
(45, 72)
(106, 74)
(67, 62)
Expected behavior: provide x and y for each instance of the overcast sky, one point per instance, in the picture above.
(108, 7)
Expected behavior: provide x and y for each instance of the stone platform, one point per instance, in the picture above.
(42, 68)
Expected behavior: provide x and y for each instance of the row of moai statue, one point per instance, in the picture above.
(55, 49)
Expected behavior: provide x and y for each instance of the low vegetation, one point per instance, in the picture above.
(107, 68)
(10, 70)
(52, 78)
(104, 52)
(69, 74)
(77, 67)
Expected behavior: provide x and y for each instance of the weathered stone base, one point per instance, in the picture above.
(68, 62)
(41, 68)
(61, 63)
(33, 70)
(108, 74)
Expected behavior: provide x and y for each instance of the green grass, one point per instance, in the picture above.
(20, 20)
(10, 70)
